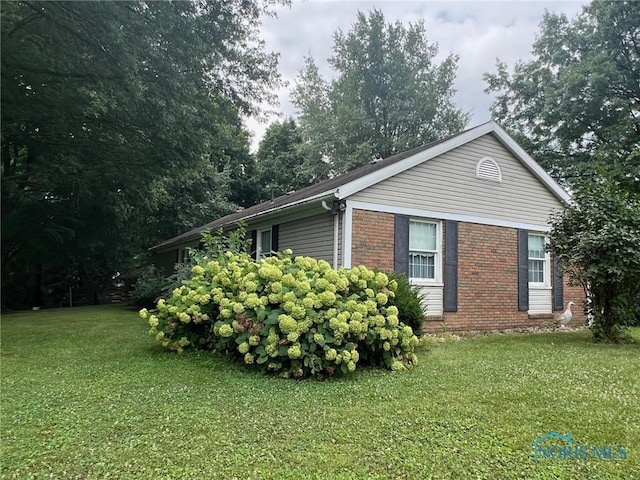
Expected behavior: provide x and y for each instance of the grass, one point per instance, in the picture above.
(86, 394)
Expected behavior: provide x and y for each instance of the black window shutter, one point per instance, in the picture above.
(523, 270)
(275, 231)
(558, 285)
(401, 245)
(450, 302)
(254, 243)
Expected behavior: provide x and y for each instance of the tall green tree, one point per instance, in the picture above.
(576, 103)
(389, 95)
(597, 239)
(104, 105)
(280, 161)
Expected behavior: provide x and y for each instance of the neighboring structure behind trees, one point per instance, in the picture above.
(465, 218)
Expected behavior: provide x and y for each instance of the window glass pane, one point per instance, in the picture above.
(536, 271)
(265, 242)
(422, 236)
(422, 265)
(536, 246)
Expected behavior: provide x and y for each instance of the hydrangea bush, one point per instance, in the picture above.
(294, 316)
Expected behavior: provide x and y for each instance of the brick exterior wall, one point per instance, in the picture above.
(487, 274)
(487, 281)
(488, 284)
(373, 239)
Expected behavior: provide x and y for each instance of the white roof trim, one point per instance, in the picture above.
(438, 215)
(531, 164)
(373, 178)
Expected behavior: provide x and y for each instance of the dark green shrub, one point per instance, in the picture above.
(408, 299)
(148, 288)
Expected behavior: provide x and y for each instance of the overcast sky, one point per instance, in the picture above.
(477, 31)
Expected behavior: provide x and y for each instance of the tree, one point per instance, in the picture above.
(280, 161)
(388, 96)
(106, 107)
(597, 240)
(576, 104)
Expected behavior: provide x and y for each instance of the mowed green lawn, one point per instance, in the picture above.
(87, 394)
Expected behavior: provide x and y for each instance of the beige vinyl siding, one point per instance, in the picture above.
(539, 300)
(432, 299)
(447, 184)
(311, 237)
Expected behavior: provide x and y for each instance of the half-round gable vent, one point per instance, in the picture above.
(488, 169)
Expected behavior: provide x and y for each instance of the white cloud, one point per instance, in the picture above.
(478, 32)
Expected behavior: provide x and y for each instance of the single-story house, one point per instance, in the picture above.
(464, 217)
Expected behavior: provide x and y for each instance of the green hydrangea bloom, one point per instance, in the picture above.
(243, 347)
(392, 310)
(393, 320)
(237, 307)
(304, 287)
(355, 327)
(198, 270)
(287, 324)
(323, 265)
(294, 351)
(327, 298)
(331, 354)
(225, 330)
(397, 366)
(298, 312)
(381, 279)
(253, 301)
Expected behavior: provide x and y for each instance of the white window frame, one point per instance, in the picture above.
(546, 263)
(437, 280)
(260, 253)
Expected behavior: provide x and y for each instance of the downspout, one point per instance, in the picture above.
(335, 210)
(336, 232)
